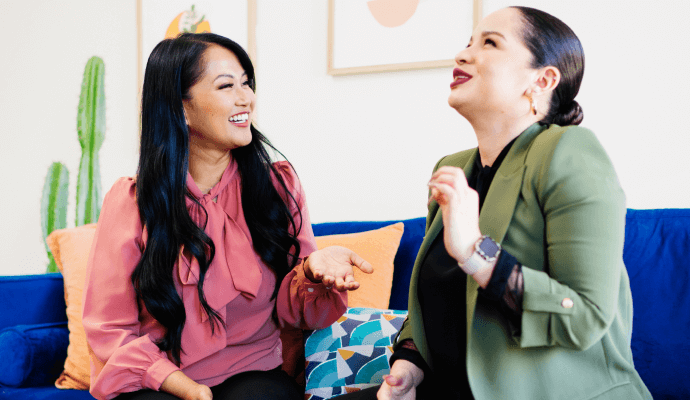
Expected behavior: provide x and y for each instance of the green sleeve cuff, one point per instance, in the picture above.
(539, 305)
(547, 303)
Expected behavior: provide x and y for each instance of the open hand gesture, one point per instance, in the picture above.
(333, 266)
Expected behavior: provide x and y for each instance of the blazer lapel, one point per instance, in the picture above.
(501, 199)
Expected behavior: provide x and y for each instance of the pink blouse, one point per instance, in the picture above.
(238, 285)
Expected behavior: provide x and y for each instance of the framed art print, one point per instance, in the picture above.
(161, 19)
(389, 35)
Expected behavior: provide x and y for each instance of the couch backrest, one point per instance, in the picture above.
(31, 299)
(657, 256)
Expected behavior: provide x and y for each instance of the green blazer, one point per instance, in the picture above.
(557, 206)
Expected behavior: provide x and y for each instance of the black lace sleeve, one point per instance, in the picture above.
(506, 287)
(406, 350)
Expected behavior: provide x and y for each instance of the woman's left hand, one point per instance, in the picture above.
(332, 266)
(460, 210)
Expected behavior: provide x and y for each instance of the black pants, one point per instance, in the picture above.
(250, 385)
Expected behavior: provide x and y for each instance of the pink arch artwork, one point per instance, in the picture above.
(392, 13)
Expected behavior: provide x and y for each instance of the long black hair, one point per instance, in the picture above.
(173, 67)
(553, 43)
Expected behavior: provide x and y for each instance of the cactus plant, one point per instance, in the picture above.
(54, 205)
(91, 130)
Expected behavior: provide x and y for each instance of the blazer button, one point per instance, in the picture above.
(567, 303)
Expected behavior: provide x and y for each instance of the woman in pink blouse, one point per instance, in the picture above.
(200, 259)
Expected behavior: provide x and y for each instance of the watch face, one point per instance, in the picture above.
(488, 247)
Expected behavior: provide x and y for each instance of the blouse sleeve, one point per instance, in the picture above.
(302, 303)
(122, 359)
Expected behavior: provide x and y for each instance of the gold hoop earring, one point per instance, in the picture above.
(532, 106)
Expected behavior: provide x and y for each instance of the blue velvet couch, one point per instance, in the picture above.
(33, 330)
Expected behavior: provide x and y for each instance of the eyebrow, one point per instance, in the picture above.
(488, 33)
(227, 76)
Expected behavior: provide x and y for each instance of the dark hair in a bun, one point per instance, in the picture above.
(569, 115)
(553, 43)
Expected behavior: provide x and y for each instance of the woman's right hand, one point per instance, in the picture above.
(333, 266)
(402, 382)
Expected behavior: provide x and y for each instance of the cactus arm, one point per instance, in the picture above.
(54, 205)
(91, 112)
(88, 189)
(91, 132)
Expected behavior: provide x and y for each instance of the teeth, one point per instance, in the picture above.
(240, 118)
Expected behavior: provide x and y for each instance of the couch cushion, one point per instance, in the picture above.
(70, 248)
(378, 247)
(351, 354)
(657, 256)
(31, 299)
(404, 259)
(43, 393)
(32, 355)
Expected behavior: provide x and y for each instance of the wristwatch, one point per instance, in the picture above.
(486, 251)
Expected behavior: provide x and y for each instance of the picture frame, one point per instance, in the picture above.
(366, 36)
(158, 19)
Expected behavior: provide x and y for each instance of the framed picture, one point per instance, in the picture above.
(391, 35)
(160, 19)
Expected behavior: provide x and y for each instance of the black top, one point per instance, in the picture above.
(442, 297)
(441, 292)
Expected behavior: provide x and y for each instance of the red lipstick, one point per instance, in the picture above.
(459, 77)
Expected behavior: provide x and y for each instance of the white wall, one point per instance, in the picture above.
(43, 55)
(363, 145)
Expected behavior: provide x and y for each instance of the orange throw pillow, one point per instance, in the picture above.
(379, 248)
(70, 248)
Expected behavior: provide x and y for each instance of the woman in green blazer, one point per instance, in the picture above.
(519, 289)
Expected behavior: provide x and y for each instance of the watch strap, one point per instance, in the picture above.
(478, 260)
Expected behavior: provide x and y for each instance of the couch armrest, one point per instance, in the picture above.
(32, 355)
(32, 299)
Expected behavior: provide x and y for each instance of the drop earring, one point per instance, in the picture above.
(532, 106)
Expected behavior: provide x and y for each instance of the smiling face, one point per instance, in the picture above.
(493, 72)
(221, 103)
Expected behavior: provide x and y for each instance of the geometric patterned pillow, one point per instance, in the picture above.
(352, 354)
